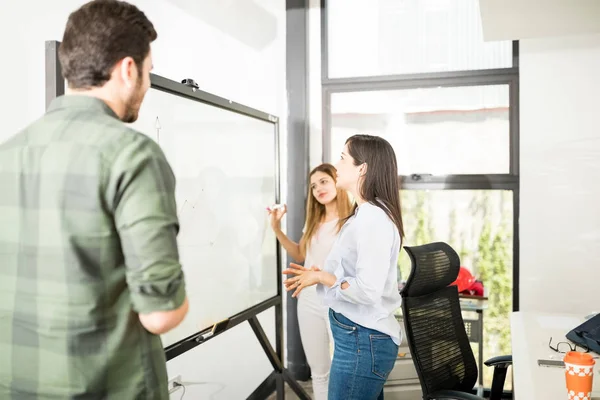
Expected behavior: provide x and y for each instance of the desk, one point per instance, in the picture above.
(530, 335)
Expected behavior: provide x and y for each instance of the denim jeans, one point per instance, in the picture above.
(362, 360)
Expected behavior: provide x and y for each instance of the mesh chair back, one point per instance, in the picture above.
(434, 325)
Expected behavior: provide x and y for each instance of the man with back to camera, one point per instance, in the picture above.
(89, 267)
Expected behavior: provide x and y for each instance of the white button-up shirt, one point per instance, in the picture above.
(365, 255)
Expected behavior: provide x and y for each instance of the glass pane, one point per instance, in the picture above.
(386, 37)
(478, 224)
(440, 131)
(221, 204)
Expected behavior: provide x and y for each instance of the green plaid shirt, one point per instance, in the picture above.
(88, 226)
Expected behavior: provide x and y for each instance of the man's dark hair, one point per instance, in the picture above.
(97, 36)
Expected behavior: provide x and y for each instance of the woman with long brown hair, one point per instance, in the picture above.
(326, 208)
(359, 278)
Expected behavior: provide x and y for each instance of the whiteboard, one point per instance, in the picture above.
(225, 164)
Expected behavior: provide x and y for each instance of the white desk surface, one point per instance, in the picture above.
(530, 335)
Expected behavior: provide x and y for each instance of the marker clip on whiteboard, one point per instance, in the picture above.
(191, 83)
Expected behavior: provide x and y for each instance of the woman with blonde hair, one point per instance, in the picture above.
(326, 208)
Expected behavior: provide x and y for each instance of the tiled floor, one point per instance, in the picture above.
(289, 393)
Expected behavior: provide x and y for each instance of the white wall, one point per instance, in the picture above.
(225, 59)
(518, 20)
(560, 174)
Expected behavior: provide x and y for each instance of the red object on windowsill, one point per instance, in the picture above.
(464, 280)
(467, 284)
(476, 289)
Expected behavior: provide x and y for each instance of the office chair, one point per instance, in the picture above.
(435, 330)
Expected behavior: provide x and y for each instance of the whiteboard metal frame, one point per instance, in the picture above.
(55, 86)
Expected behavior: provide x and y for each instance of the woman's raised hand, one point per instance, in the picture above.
(276, 214)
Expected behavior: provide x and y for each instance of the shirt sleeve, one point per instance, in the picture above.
(374, 243)
(141, 190)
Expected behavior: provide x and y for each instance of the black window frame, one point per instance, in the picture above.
(498, 76)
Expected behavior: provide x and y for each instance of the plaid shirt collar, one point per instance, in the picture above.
(82, 102)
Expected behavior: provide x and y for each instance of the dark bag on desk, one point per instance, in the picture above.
(587, 334)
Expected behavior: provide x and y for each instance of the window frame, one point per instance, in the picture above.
(508, 76)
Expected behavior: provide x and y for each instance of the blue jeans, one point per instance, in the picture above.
(362, 360)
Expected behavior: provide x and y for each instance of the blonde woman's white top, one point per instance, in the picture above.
(321, 243)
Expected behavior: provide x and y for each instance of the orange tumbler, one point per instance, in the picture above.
(579, 372)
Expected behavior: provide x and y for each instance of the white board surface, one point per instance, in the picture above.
(225, 166)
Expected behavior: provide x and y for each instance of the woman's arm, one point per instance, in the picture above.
(305, 277)
(291, 247)
(328, 280)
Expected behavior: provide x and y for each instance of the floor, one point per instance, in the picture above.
(289, 393)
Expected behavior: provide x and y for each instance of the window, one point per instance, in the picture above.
(391, 37)
(439, 131)
(419, 74)
(478, 224)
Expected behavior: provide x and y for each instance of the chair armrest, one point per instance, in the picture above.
(453, 395)
(500, 361)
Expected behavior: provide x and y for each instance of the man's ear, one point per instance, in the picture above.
(127, 70)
